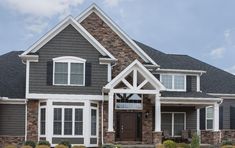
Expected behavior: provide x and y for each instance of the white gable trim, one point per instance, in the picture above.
(136, 66)
(62, 25)
(94, 8)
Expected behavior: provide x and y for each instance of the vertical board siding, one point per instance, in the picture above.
(67, 43)
(12, 119)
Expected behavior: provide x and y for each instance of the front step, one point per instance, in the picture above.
(138, 146)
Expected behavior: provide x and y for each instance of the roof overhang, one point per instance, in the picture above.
(6, 100)
(95, 9)
(32, 58)
(224, 96)
(200, 72)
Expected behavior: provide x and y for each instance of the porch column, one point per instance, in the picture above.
(110, 113)
(157, 113)
(198, 121)
(216, 117)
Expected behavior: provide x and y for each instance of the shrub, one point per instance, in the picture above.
(118, 146)
(108, 145)
(60, 146)
(182, 145)
(227, 142)
(42, 146)
(78, 146)
(65, 143)
(44, 143)
(26, 146)
(30, 143)
(169, 144)
(10, 146)
(195, 141)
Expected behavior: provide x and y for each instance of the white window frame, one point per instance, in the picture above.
(73, 121)
(69, 60)
(173, 123)
(173, 81)
(97, 123)
(39, 119)
(209, 118)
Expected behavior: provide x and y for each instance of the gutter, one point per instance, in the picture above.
(6, 100)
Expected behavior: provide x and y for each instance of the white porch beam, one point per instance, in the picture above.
(135, 91)
(110, 113)
(157, 113)
(216, 117)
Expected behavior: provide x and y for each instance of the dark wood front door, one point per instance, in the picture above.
(129, 126)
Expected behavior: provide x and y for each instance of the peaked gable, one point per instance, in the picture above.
(61, 26)
(140, 76)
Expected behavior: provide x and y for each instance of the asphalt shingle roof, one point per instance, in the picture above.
(12, 75)
(185, 94)
(214, 80)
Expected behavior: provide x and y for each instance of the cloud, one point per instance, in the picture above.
(112, 3)
(217, 53)
(36, 13)
(231, 69)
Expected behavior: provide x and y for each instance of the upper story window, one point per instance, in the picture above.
(174, 82)
(69, 70)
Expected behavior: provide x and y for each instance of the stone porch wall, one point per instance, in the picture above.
(228, 135)
(11, 140)
(210, 137)
(32, 120)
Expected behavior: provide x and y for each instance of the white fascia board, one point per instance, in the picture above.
(6, 100)
(64, 96)
(62, 25)
(94, 8)
(126, 71)
(32, 58)
(181, 70)
(229, 96)
(180, 99)
(107, 60)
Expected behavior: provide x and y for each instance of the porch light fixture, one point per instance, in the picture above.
(146, 114)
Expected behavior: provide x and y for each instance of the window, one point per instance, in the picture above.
(174, 82)
(93, 122)
(173, 123)
(209, 117)
(57, 121)
(42, 121)
(68, 112)
(128, 101)
(69, 71)
(70, 116)
(78, 121)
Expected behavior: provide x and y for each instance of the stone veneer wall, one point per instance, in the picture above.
(147, 129)
(11, 140)
(111, 41)
(210, 137)
(32, 120)
(228, 135)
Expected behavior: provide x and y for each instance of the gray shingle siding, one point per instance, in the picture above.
(227, 103)
(67, 43)
(191, 114)
(12, 119)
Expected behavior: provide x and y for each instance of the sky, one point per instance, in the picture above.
(203, 29)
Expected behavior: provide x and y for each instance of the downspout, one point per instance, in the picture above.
(102, 121)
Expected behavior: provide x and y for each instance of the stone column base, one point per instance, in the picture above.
(109, 137)
(210, 137)
(157, 138)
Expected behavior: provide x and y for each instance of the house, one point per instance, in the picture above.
(88, 82)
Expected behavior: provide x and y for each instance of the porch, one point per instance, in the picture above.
(136, 111)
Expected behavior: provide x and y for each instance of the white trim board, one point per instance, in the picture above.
(39, 96)
(94, 8)
(57, 29)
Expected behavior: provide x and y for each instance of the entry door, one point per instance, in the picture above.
(129, 126)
